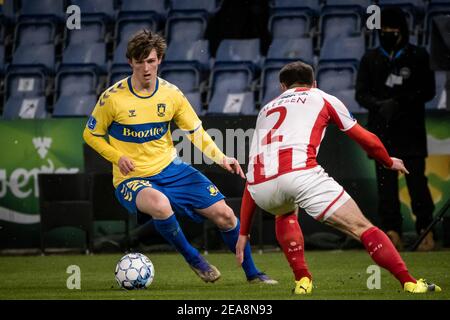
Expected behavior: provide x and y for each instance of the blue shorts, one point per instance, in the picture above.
(185, 187)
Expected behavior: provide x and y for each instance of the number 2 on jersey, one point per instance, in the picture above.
(271, 137)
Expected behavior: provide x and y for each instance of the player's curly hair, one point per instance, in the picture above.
(297, 72)
(142, 43)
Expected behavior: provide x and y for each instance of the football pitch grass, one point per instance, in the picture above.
(337, 275)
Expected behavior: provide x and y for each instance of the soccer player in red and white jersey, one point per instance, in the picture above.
(283, 175)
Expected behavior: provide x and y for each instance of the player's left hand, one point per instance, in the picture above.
(240, 246)
(233, 166)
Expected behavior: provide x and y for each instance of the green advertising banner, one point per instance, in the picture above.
(30, 147)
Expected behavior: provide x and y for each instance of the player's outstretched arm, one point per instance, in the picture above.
(375, 148)
(248, 207)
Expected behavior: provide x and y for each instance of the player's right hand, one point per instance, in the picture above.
(398, 165)
(126, 165)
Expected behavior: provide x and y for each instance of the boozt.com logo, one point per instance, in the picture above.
(127, 132)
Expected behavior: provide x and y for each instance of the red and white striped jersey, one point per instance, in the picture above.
(289, 131)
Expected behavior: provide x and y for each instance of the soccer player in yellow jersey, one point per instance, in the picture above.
(149, 178)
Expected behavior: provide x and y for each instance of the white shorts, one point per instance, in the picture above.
(312, 190)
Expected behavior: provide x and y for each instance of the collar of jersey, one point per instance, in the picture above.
(142, 97)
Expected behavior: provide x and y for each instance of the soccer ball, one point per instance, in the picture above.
(134, 271)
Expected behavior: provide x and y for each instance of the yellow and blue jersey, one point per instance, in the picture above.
(138, 125)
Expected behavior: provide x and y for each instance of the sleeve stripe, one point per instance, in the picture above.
(192, 131)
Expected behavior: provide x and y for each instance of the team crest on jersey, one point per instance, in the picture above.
(213, 190)
(131, 113)
(161, 109)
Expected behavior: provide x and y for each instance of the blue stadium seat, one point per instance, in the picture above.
(35, 56)
(8, 12)
(119, 57)
(127, 27)
(42, 9)
(118, 73)
(193, 7)
(91, 31)
(311, 7)
(335, 78)
(74, 106)
(289, 25)
(347, 96)
(270, 84)
(103, 9)
(195, 100)
(194, 53)
(186, 78)
(25, 83)
(435, 8)
(241, 51)
(438, 102)
(286, 50)
(91, 55)
(25, 108)
(349, 49)
(229, 79)
(185, 28)
(154, 9)
(339, 24)
(76, 82)
(34, 33)
(238, 103)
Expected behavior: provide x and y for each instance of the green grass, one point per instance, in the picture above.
(337, 275)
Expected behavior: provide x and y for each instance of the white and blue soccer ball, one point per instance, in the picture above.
(134, 271)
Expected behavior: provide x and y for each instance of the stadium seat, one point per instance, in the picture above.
(25, 83)
(349, 49)
(270, 84)
(289, 25)
(25, 108)
(224, 80)
(35, 56)
(118, 73)
(193, 53)
(240, 52)
(126, 27)
(339, 24)
(203, 8)
(91, 55)
(195, 100)
(311, 7)
(286, 50)
(185, 28)
(91, 31)
(435, 8)
(333, 78)
(438, 102)
(42, 9)
(103, 9)
(34, 33)
(154, 9)
(74, 106)
(186, 78)
(8, 12)
(237, 103)
(347, 96)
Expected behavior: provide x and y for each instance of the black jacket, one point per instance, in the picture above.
(404, 134)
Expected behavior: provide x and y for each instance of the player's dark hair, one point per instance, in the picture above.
(297, 72)
(142, 43)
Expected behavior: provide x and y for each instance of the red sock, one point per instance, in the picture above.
(290, 238)
(383, 252)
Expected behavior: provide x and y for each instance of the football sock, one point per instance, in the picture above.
(290, 237)
(230, 237)
(171, 231)
(383, 252)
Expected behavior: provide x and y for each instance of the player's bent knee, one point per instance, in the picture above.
(154, 203)
(225, 218)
